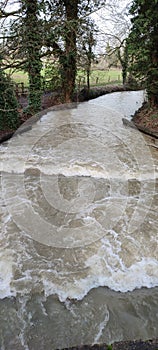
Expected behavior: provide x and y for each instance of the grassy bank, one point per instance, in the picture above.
(97, 77)
(101, 77)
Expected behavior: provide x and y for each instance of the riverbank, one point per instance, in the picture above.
(123, 345)
(146, 120)
(98, 91)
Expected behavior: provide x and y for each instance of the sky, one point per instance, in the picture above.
(113, 22)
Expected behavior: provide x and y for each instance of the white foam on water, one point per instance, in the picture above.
(139, 275)
(104, 267)
(101, 327)
(101, 271)
(82, 170)
(87, 171)
(6, 273)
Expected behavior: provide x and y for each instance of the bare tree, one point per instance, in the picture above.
(114, 24)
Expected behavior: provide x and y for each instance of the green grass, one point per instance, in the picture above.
(18, 77)
(97, 77)
(109, 347)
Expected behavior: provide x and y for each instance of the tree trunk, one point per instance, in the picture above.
(68, 58)
(88, 80)
(152, 80)
(124, 63)
(33, 46)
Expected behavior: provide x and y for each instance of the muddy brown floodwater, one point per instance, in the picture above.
(78, 255)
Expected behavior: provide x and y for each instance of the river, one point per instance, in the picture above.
(78, 254)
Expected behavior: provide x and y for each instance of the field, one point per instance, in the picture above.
(97, 77)
(18, 77)
(101, 77)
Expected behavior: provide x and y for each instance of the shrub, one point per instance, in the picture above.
(9, 117)
(52, 77)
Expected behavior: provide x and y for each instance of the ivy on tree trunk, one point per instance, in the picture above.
(143, 45)
(68, 57)
(33, 46)
(9, 117)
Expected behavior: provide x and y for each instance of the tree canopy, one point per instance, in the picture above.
(143, 45)
(64, 30)
(43, 28)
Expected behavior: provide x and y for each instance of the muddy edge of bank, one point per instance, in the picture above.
(123, 345)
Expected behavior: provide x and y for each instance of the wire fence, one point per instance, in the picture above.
(21, 89)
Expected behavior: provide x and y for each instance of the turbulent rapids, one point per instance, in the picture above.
(78, 211)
